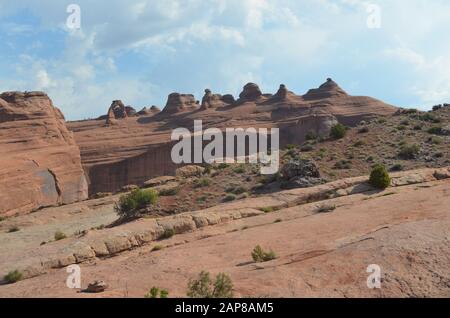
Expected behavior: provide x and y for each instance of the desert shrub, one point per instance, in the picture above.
(438, 155)
(13, 277)
(157, 248)
(230, 189)
(338, 131)
(230, 197)
(130, 204)
(382, 120)
(401, 128)
(435, 130)
(417, 127)
(259, 255)
(409, 151)
(311, 135)
(222, 166)
(59, 236)
(168, 233)
(363, 130)
(435, 140)
(240, 169)
(429, 117)
(203, 182)
(379, 177)
(325, 208)
(2, 218)
(267, 209)
(239, 190)
(397, 167)
(290, 147)
(203, 287)
(202, 199)
(155, 291)
(169, 192)
(343, 165)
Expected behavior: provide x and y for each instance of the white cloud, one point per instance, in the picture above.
(431, 82)
(186, 44)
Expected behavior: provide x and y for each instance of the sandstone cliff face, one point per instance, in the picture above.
(40, 163)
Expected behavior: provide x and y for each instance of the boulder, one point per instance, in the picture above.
(158, 181)
(300, 173)
(190, 171)
(96, 287)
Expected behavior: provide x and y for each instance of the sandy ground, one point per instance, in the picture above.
(406, 231)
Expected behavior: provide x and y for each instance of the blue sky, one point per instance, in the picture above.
(142, 50)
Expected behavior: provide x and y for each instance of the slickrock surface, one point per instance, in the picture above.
(136, 149)
(404, 229)
(40, 163)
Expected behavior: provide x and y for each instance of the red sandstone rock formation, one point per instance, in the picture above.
(251, 92)
(40, 163)
(137, 149)
(180, 103)
(148, 111)
(211, 100)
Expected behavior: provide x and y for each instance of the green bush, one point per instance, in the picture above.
(222, 166)
(229, 198)
(409, 151)
(435, 130)
(13, 277)
(311, 135)
(290, 147)
(240, 169)
(338, 131)
(59, 236)
(154, 292)
(203, 287)
(379, 177)
(157, 248)
(203, 182)
(343, 165)
(129, 205)
(168, 233)
(259, 255)
(267, 209)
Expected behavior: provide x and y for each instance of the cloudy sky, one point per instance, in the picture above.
(142, 50)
